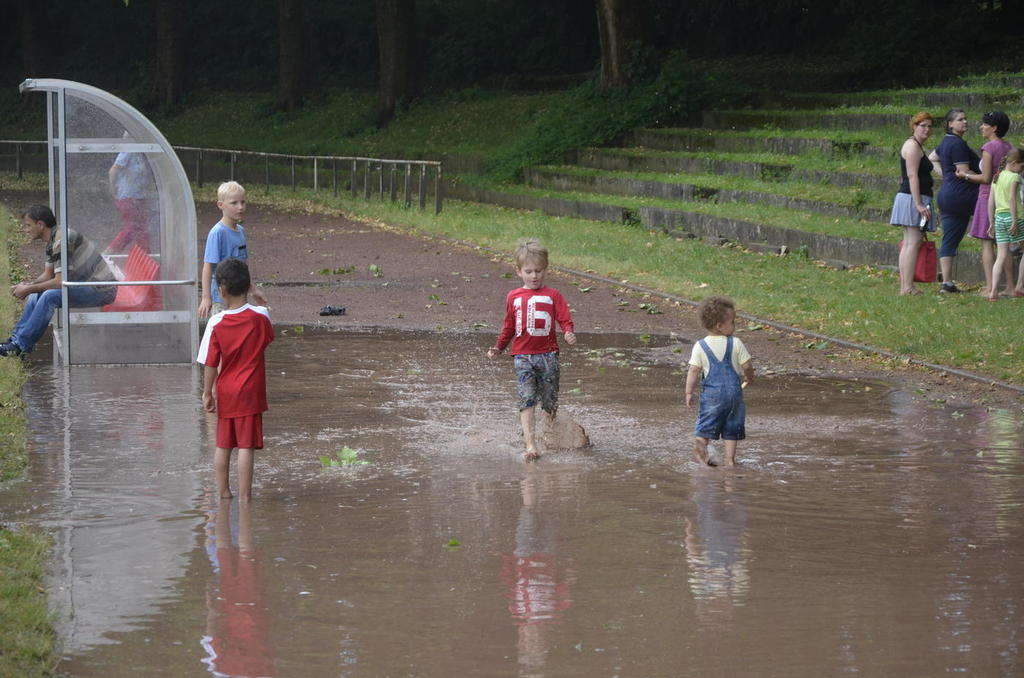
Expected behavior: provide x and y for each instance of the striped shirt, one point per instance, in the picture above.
(84, 260)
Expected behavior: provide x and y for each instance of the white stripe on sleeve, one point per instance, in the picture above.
(204, 345)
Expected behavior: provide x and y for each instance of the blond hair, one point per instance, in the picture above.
(531, 250)
(1015, 154)
(229, 188)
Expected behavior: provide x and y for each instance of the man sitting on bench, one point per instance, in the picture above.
(43, 294)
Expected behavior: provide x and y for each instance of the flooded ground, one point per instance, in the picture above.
(864, 532)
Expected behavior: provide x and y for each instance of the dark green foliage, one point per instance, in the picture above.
(506, 45)
(587, 116)
(234, 45)
(513, 45)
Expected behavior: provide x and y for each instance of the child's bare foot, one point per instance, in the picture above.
(913, 291)
(700, 453)
(531, 454)
(244, 498)
(226, 494)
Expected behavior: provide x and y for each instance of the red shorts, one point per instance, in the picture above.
(242, 432)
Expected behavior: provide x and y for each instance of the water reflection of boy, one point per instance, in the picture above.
(237, 624)
(538, 584)
(130, 177)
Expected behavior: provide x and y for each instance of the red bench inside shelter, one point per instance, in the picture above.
(139, 266)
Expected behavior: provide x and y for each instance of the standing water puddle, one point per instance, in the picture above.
(864, 532)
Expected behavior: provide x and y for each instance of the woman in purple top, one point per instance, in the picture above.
(994, 126)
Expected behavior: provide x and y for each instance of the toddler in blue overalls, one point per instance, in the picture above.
(720, 358)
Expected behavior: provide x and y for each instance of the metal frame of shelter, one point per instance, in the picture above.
(169, 333)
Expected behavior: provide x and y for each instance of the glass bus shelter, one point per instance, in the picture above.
(114, 179)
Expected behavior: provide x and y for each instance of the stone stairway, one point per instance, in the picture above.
(816, 177)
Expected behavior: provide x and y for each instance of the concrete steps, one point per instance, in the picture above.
(565, 179)
(635, 160)
(959, 98)
(686, 139)
(839, 250)
(992, 80)
(792, 120)
(653, 179)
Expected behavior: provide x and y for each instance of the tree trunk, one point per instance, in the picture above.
(620, 25)
(27, 25)
(168, 51)
(290, 56)
(397, 48)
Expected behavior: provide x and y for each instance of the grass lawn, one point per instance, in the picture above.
(337, 122)
(26, 634)
(859, 305)
(12, 416)
(342, 123)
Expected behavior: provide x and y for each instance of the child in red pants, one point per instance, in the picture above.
(232, 355)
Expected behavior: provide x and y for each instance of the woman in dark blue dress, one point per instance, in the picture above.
(957, 196)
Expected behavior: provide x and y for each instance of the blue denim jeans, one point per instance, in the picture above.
(39, 308)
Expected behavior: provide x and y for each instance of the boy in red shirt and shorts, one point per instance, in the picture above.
(530, 314)
(232, 355)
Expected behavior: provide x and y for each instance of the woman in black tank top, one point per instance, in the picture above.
(924, 175)
(912, 207)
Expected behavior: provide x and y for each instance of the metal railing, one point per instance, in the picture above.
(20, 155)
(125, 283)
(370, 177)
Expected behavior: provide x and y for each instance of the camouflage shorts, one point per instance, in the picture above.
(537, 377)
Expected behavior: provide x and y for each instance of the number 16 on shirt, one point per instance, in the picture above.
(533, 316)
(530, 317)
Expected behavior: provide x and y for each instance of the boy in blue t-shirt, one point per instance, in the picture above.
(226, 239)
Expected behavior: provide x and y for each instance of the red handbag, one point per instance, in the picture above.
(927, 262)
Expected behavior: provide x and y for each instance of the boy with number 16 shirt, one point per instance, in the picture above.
(530, 314)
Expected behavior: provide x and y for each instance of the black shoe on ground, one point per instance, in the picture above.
(332, 310)
(948, 288)
(9, 348)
